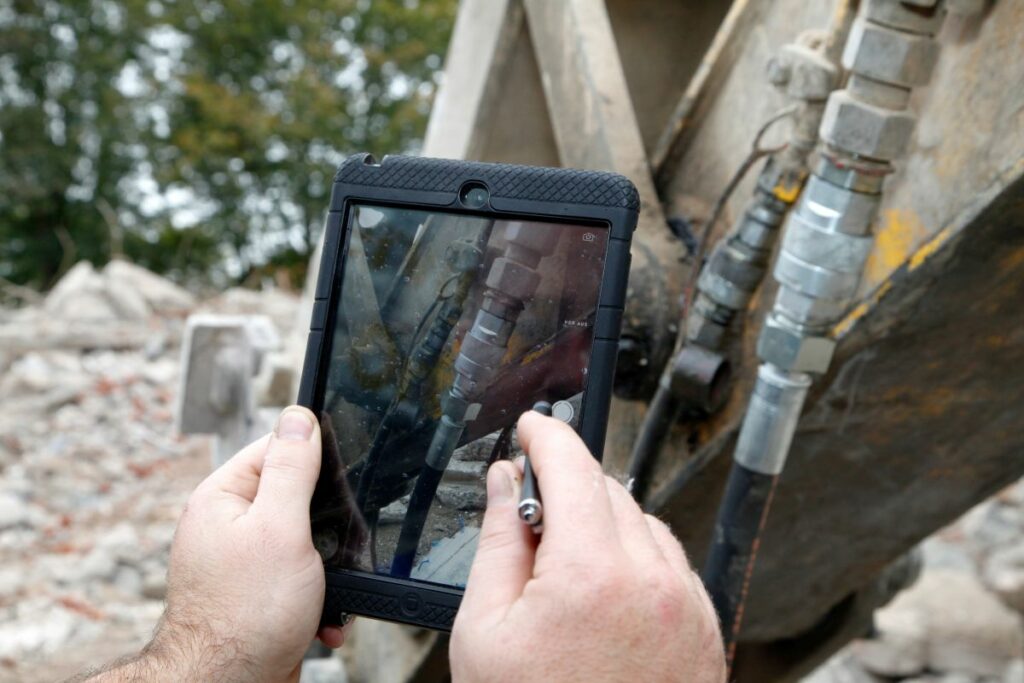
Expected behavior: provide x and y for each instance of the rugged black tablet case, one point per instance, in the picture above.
(545, 194)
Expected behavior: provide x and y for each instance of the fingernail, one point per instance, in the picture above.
(294, 425)
(500, 486)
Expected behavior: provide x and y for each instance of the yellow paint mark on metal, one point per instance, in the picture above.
(929, 248)
(898, 232)
(536, 353)
(787, 193)
(860, 310)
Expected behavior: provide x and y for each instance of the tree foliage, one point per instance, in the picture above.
(197, 137)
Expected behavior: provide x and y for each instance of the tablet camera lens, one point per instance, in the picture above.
(474, 196)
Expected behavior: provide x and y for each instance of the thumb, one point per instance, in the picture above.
(505, 553)
(290, 467)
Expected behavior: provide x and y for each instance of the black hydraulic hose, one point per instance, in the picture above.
(511, 282)
(414, 521)
(665, 409)
(730, 562)
(421, 361)
(663, 412)
(446, 438)
(369, 471)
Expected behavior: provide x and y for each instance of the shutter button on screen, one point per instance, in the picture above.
(562, 410)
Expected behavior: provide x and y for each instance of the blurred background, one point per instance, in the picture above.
(165, 167)
(157, 159)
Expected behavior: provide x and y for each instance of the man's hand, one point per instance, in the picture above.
(245, 584)
(606, 595)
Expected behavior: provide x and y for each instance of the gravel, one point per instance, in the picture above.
(92, 476)
(963, 620)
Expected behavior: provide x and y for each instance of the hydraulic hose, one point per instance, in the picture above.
(743, 512)
(806, 71)
(511, 282)
(465, 258)
(446, 438)
(768, 429)
(826, 241)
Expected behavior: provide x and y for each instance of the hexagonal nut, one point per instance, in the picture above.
(926, 19)
(808, 310)
(513, 279)
(811, 76)
(889, 55)
(723, 315)
(789, 350)
(705, 332)
(756, 234)
(537, 237)
(885, 95)
(722, 291)
(873, 132)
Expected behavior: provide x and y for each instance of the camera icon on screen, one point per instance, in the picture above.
(589, 237)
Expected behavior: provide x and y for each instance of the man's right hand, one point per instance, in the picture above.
(606, 594)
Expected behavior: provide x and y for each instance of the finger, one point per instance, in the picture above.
(239, 477)
(634, 533)
(670, 546)
(577, 511)
(505, 553)
(331, 636)
(290, 467)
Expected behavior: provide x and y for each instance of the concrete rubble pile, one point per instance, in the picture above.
(92, 474)
(963, 620)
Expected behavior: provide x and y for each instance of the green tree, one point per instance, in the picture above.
(197, 137)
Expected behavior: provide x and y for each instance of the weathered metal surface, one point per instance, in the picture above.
(919, 420)
(951, 167)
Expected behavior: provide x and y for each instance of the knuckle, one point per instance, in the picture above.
(670, 599)
(660, 526)
(291, 463)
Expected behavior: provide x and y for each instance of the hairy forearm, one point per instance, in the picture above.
(178, 652)
(130, 669)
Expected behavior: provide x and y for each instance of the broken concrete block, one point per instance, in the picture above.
(159, 294)
(900, 647)
(220, 357)
(968, 629)
(1004, 574)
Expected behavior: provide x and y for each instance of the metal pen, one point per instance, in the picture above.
(531, 510)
